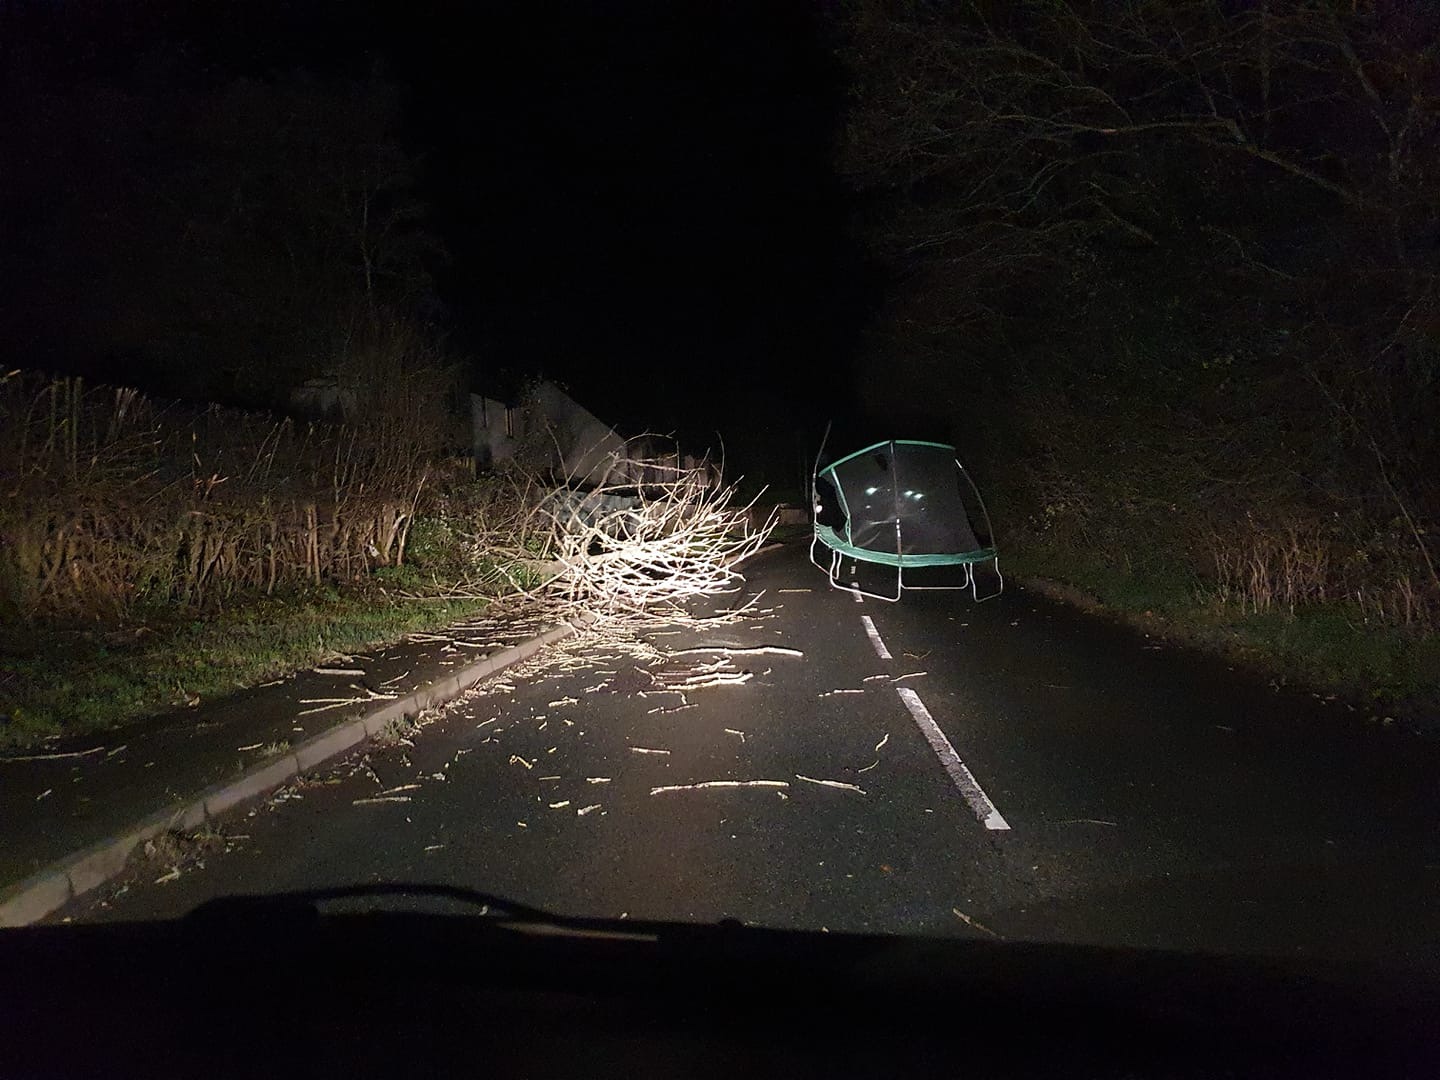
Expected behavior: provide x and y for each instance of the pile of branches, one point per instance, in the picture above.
(617, 548)
(632, 550)
(113, 501)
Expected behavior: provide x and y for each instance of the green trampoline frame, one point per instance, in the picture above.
(842, 547)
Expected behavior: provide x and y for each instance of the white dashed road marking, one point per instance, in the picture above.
(963, 778)
(880, 649)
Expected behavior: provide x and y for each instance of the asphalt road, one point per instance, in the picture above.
(1014, 769)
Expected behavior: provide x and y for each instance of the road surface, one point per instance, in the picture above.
(1014, 769)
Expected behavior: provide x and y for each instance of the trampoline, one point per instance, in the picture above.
(909, 506)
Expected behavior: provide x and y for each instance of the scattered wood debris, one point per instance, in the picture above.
(326, 704)
(878, 747)
(974, 924)
(736, 650)
(337, 671)
(587, 809)
(54, 757)
(381, 799)
(648, 750)
(720, 784)
(831, 784)
(717, 678)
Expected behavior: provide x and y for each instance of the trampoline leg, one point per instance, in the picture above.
(833, 571)
(975, 589)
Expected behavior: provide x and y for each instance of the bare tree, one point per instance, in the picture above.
(1176, 254)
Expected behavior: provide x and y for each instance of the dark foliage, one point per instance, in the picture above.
(1169, 269)
(192, 227)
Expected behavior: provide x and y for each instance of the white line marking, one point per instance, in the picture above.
(964, 779)
(858, 598)
(880, 649)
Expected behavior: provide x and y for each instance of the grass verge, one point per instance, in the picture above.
(71, 681)
(1327, 647)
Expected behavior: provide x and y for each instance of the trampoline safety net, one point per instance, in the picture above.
(909, 506)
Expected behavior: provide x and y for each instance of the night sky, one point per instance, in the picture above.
(641, 202)
(637, 199)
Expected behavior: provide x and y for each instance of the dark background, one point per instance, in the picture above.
(637, 199)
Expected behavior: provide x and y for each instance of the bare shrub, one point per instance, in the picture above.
(113, 500)
(396, 383)
(1261, 566)
(1285, 562)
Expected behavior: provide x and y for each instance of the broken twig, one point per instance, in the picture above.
(719, 784)
(831, 784)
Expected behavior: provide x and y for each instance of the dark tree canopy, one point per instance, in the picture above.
(212, 242)
(1170, 267)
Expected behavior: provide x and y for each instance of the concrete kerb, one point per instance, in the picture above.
(46, 890)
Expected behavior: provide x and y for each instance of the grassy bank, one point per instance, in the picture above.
(72, 681)
(153, 553)
(1325, 646)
